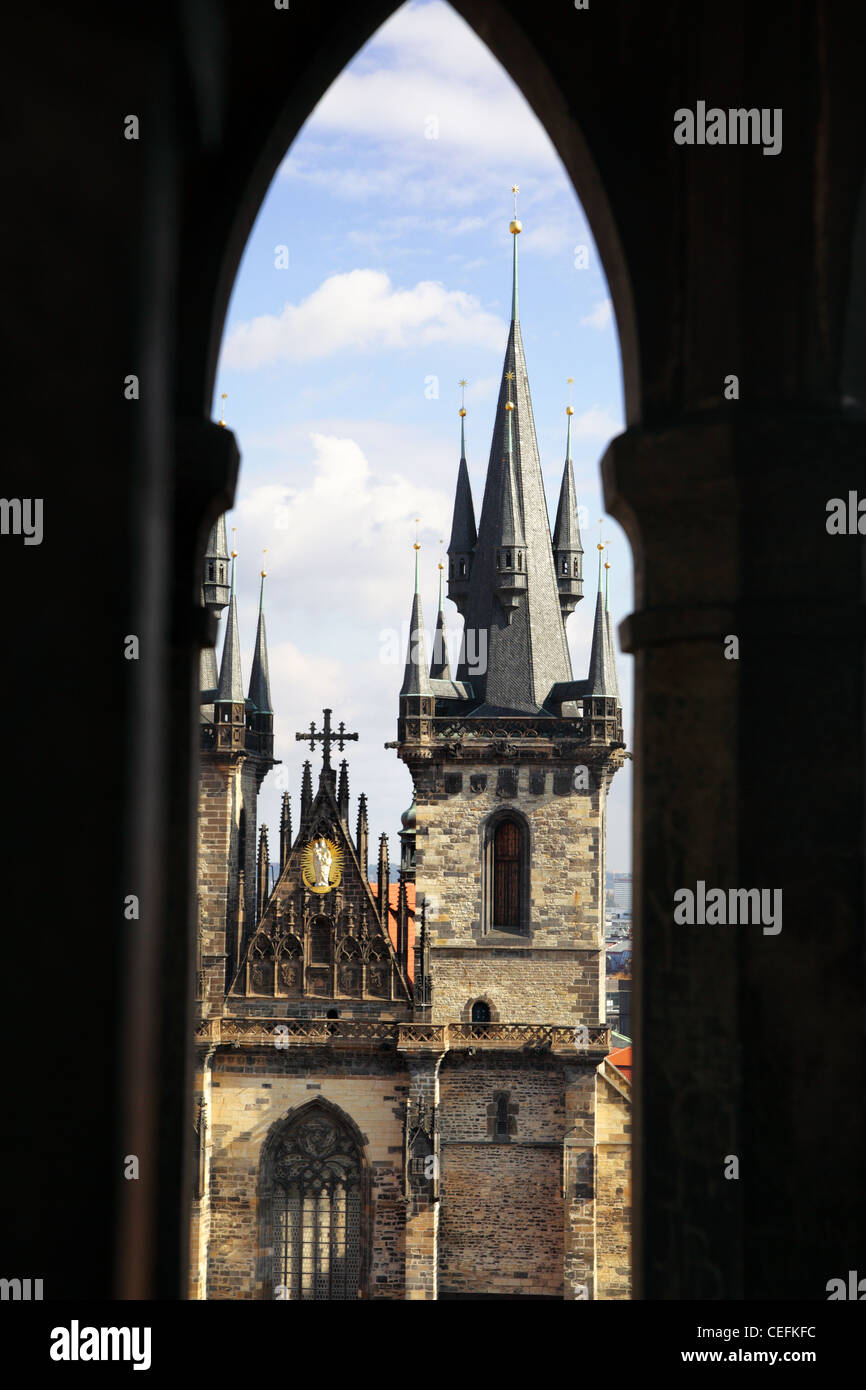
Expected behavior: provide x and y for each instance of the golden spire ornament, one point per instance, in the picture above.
(515, 226)
(463, 383)
(222, 419)
(234, 542)
(568, 408)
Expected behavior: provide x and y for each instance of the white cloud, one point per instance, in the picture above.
(482, 390)
(600, 316)
(359, 311)
(596, 423)
(340, 542)
(549, 237)
(427, 62)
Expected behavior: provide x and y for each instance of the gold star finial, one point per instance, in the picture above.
(441, 553)
(417, 545)
(514, 225)
(264, 563)
(600, 545)
(234, 542)
(509, 376)
(222, 418)
(568, 408)
(462, 383)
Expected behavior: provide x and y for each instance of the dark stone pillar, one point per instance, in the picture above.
(748, 774)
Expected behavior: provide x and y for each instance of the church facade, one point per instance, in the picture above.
(403, 1089)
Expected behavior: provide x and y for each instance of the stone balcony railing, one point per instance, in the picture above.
(373, 1035)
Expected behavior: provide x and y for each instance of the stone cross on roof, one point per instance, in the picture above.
(327, 736)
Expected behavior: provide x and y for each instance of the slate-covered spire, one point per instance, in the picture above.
(260, 680)
(229, 709)
(527, 655)
(261, 720)
(216, 567)
(439, 666)
(602, 672)
(230, 687)
(464, 534)
(508, 537)
(567, 549)
(416, 681)
(608, 629)
(285, 830)
(208, 674)
(362, 836)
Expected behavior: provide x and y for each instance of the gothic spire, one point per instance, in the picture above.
(383, 879)
(231, 687)
(306, 791)
(216, 567)
(608, 629)
(415, 678)
(439, 666)
(208, 674)
(567, 549)
(463, 530)
(263, 874)
(527, 651)
(285, 830)
(343, 792)
(260, 681)
(362, 836)
(602, 672)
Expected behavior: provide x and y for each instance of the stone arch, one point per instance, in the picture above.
(314, 1180)
(469, 1005)
(276, 125)
(489, 830)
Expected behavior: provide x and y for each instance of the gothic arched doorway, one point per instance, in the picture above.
(316, 1207)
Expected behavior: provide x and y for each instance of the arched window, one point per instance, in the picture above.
(462, 569)
(480, 1011)
(506, 876)
(316, 1184)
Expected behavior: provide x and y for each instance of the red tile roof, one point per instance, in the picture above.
(393, 894)
(620, 1057)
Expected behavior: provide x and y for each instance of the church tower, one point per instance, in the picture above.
(390, 1114)
(236, 755)
(511, 763)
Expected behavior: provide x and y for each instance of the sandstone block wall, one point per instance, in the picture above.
(500, 1223)
(249, 1093)
(613, 1186)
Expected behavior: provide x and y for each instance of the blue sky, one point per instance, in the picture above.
(377, 275)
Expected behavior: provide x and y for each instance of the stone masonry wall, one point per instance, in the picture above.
(613, 1192)
(566, 826)
(250, 1092)
(219, 811)
(520, 985)
(500, 1223)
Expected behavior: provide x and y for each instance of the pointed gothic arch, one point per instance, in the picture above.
(506, 869)
(315, 1208)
